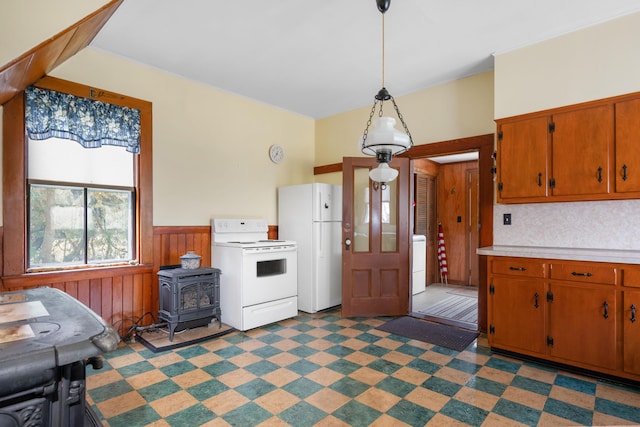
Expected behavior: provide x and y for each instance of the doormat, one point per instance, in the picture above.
(433, 333)
(464, 309)
(158, 340)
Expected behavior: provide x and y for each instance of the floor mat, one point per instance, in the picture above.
(433, 333)
(464, 309)
(158, 340)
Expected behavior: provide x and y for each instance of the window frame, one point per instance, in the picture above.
(15, 209)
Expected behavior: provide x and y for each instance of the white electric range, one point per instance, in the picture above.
(258, 280)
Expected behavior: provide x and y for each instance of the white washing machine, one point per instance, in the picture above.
(419, 264)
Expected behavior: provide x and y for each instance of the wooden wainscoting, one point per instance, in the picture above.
(126, 295)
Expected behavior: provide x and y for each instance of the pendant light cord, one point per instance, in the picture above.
(382, 49)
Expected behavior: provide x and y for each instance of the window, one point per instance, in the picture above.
(136, 193)
(81, 204)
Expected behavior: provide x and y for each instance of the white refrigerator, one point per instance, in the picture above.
(311, 215)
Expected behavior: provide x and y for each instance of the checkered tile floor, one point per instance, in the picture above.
(324, 370)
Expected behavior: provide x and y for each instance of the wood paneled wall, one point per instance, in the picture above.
(126, 295)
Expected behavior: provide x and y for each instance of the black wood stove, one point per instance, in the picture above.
(189, 297)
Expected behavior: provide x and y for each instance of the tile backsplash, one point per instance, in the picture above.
(612, 224)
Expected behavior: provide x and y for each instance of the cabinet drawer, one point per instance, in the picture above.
(524, 267)
(583, 272)
(631, 276)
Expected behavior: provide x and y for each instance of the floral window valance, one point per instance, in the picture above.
(91, 123)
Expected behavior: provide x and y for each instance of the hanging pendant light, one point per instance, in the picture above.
(384, 140)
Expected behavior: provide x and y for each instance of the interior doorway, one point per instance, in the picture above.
(460, 197)
(446, 214)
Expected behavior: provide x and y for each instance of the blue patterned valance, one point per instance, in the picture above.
(91, 123)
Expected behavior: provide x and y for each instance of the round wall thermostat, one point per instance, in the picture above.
(276, 153)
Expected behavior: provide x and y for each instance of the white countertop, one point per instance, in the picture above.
(594, 255)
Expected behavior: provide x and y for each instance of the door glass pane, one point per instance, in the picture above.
(361, 210)
(389, 216)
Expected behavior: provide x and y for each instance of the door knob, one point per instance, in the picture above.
(347, 243)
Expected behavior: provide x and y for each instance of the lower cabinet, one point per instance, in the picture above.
(576, 313)
(582, 324)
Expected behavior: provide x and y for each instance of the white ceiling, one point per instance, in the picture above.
(320, 58)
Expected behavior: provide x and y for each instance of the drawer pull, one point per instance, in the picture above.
(633, 313)
(600, 174)
(536, 304)
(540, 179)
(575, 273)
(606, 310)
(518, 268)
(624, 172)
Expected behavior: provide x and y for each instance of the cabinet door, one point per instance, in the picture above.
(516, 314)
(522, 159)
(581, 149)
(582, 323)
(631, 330)
(627, 165)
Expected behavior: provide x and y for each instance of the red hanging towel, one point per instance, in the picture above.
(442, 255)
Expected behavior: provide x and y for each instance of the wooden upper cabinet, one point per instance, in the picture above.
(627, 164)
(582, 146)
(581, 152)
(522, 159)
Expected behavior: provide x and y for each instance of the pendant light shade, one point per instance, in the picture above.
(384, 136)
(383, 173)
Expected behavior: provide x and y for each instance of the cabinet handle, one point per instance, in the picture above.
(624, 172)
(606, 310)
(575, 273)
(536, 296)
(518, 268)
(633, 313)
(539, 179)
(600, 174)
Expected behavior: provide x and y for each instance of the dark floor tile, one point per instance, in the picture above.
(532, 385)
(384, 366)
(262, 367)
(247, 415)
(410, 413)
(464, 366)
(503, 365)
(576, 384)
(110, 391)
(219, 368)
(367, 337)
(179, 368)
(207, 389)
(136, 417)
(485, 385)
(266, 351)
(568, 411)
(339, 351)
(192, 351)
(270, 338)
(229, 352)
(256, 388)
(395, 386)
(441, 386)
(410, 350)
(464, 412)
(303, 367)
(517, 412)
(302, 387)
(303, 351)
(193, 416)
(424, 366)
(349, 387)
(135, 369)
(619, 410)
(356, 414)
(344, 367)
(159, 390)
(302, 414)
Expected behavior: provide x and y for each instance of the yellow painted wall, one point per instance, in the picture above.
(458, 109)
(210, 148)
(24, 24)
(593, 63)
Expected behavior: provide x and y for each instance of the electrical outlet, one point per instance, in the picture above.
(506, 219)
